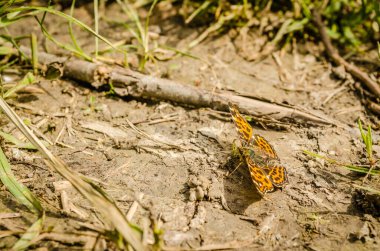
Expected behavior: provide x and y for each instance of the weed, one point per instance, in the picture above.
(140, 32)
(349, 23)
(367, 140)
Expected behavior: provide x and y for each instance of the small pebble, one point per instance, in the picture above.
(200, 194)
(192, 196)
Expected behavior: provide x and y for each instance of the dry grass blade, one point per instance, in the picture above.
(32, 233)
(371, 190)
(142, 133)
(94, 194)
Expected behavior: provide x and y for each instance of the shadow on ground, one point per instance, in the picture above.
(239, 191)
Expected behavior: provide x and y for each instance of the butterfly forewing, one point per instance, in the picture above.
(264, 146)
(244, 129)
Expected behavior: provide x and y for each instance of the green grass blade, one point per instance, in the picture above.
(197, 11)
(369, 143)
(31, 233)
(14, 16)
(347, 166)
(72, 36)
(139, 34)
(146, 33)
(18, 143)
(362, 131)
(10, 39)
(8, 65)
(27, 80)
(4, 50)
(77, 52)
(19, 191)
(65, 16)
(34, 49)
(96, 19)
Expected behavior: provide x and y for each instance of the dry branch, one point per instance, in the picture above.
(334, 55)
(131, 83)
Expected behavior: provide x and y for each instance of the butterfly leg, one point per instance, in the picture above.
(241, 162)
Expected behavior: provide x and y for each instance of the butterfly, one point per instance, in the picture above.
(262, 160)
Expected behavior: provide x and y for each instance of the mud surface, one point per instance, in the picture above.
(191, 190)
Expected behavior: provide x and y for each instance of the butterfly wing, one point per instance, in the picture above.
(259, 178)
(243, 127)
(263, 148)
(277, 175)
(259, 155)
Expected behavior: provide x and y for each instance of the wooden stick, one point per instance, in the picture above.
(334, 55)
(131, 83)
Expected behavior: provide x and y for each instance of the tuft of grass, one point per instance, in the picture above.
(140, 32)
(367, 139)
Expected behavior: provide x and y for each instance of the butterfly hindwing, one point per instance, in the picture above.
(259, 178)
(278, 176)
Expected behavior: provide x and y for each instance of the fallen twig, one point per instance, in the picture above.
(373, 107)
(131, 83)
(334, 55)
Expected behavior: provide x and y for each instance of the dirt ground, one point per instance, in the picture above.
(190, 190)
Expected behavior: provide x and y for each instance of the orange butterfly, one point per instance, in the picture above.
(261, 158)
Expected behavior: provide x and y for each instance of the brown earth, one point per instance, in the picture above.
(319, 209)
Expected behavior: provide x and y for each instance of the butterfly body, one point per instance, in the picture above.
(261, 158)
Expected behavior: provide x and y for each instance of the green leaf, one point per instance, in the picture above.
(349, 35)
(333, 33)
(297, 25)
